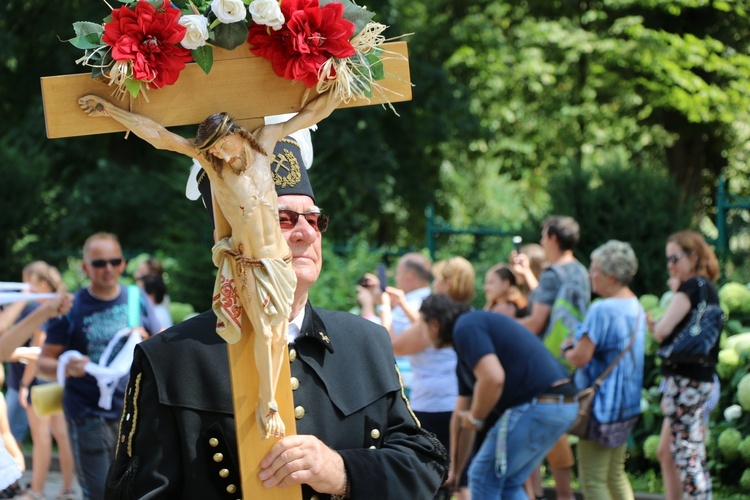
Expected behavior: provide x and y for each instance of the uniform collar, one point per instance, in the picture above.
(313, 328)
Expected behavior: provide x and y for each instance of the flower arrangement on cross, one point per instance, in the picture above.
(327, 44)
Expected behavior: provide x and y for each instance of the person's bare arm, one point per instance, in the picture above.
(21, 332)
(488, 388)
(580, 355)
(46, 365)
(10, 314)
(410, 341)
(145, 128)
(398, 299)
(676, 311)
(537, 320)
(461, 443)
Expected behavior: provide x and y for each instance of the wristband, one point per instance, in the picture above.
(478, 423)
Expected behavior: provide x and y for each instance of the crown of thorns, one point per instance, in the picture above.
(227, 123)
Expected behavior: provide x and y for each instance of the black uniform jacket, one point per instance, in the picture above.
(178, 414)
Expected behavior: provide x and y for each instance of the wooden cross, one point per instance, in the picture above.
(246, 87)
(239, 83)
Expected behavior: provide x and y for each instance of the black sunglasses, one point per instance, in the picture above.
(672, 259)
(100, 263)
(288, 219)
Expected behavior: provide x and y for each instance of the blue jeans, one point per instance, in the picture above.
(93, 441)
(533, 428)
(17, 417)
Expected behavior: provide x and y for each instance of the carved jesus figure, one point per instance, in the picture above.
(253, 258)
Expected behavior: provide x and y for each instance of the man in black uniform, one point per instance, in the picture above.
(357, 437)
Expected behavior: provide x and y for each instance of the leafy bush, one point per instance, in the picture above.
(735, 298)
(745, 480)
(650, 447)
(729, 441)
(743, 392)
(342, 268)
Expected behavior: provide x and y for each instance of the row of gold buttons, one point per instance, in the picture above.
(218, 458)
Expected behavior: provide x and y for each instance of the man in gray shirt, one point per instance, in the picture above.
(567, 279)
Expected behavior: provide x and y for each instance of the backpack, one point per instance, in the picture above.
(565, 316)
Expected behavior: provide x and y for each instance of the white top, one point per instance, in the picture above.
(434, 385)
(400, 323)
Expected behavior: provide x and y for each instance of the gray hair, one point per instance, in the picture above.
(616, 258)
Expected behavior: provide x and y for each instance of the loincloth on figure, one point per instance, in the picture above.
(242, 282)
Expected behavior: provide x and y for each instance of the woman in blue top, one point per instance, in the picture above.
(504, 369)
(605, 332)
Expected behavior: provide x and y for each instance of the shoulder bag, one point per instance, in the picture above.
(585, 397)
(694, 342)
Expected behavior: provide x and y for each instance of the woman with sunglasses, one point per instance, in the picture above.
(686, 387)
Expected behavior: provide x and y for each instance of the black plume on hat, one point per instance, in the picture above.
(287, 169)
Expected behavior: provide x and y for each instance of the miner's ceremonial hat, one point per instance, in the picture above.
(288, 170)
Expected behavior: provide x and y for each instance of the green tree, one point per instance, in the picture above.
(559, 80)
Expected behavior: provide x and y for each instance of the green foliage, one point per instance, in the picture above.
(229, 36)
(729, 441)
(744, 449)
(743, 392)
(180, 311)
(627, 203)
(740, 342)
(650, 447)
(729, 360)
(88, 35)
(735, 297)
(745, 480)
(649, 301)
(204, 57)
(336, 286)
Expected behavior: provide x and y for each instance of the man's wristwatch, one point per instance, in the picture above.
(478, 423)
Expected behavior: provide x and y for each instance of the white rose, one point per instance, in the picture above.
(732, 413)
(228, 11)
(267, 13)
(197, 31)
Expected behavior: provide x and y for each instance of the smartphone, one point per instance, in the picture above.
(517, 240)
(382, 277)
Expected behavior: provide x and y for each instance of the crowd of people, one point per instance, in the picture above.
(423, 396)
(35, 334)
(485, 383)
(542, 292)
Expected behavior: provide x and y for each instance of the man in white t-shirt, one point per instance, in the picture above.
(413, 278)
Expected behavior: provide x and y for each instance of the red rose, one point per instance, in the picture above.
(310, 36)
(150, 39)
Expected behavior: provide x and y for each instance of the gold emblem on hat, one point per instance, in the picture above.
(286, 161)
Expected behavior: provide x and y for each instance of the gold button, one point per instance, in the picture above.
(375, 434)
(213, 442)
(373, 447)
(295, 383)
(299, 412)
(292, 354)
(224, 473)
(231, 488)
(218, 457)
(314, 497)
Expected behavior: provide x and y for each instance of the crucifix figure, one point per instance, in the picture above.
(255, 276)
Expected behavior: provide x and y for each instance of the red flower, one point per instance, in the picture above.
(310, 36)
(150, 39)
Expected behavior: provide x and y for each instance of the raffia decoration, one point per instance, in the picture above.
(345, 78)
